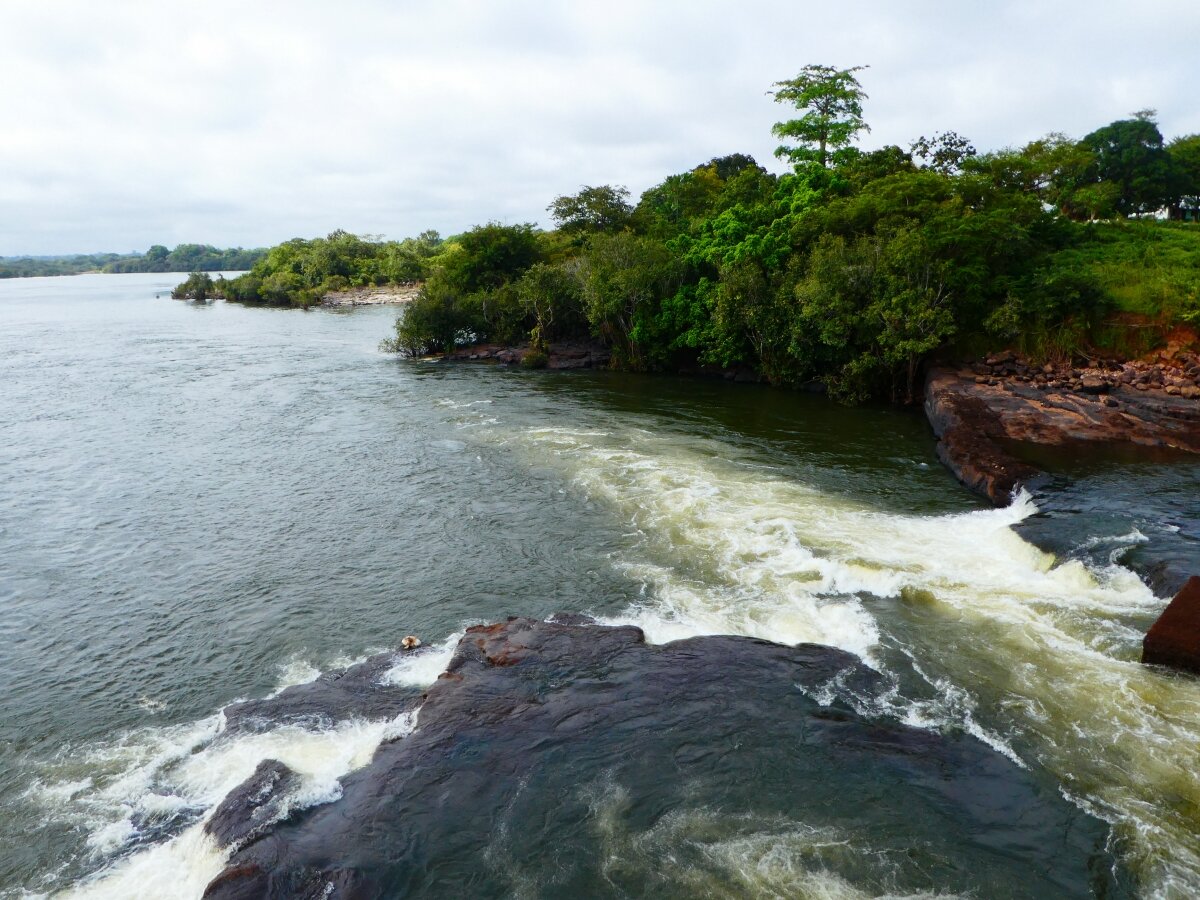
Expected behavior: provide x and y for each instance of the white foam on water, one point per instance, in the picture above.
(153, 773)
(421, 667)
(728, 548)
(177, 869)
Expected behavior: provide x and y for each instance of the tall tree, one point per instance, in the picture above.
(831, 102)
(945, 152)
(1130, 155)
(1185, 177)
(593, 209)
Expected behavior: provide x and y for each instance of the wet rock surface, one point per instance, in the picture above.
(253, 806)
(565, 758)
(564, 355)
(975, 410)
(357, 692)
(1174, 639)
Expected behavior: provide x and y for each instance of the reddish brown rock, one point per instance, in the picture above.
(975, 422)
(1174, 640)
(968, 432)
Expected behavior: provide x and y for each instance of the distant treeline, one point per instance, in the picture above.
(184, 258)
(854, 268)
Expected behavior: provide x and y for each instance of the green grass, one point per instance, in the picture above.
(1145, 269)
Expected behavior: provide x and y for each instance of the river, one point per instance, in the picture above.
(207, 502)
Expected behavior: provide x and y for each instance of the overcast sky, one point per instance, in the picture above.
(128, 123)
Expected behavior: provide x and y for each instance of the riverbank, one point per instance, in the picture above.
(984, 412)
(385, 295)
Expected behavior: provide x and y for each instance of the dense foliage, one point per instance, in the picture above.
(300, 272)
(199, 286)
(184, 258)
(855, 267)
(188, 258)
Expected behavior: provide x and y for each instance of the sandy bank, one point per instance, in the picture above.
(387, 295)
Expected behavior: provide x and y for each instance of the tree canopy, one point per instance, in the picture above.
(855, 268)
(831, 102)
(593, 209)
(1129, 155)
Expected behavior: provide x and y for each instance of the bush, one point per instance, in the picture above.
(199, 286)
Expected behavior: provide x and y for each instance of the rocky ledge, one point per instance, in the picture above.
(386, 295)
(567, 758)
(566, 355)
(977, 411)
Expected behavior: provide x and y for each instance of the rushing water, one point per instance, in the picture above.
(200, 503)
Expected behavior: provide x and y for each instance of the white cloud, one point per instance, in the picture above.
(129, 123)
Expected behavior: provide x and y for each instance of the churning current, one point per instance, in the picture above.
(205, 503)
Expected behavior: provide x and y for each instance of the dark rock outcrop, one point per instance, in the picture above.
(968, 433)
(975, 416)
(556, 759)
(253, 806)
(1174, 640)
(563, 355)
(355, 692)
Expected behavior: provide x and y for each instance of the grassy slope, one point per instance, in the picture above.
(1149, 272)
(1149, 269)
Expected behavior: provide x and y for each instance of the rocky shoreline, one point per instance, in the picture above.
(387, 295)
(979, 411)
(564, 355)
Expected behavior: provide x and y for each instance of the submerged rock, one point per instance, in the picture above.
(1174, 640)
(356, 692)
(556, 759)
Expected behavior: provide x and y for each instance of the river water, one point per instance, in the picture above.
(201, 503)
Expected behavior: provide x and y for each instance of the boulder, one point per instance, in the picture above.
(968, 435)
(1174, 640)
(253, 806)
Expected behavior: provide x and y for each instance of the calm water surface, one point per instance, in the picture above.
(200, 503)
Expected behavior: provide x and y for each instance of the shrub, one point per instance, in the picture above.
(199, 286)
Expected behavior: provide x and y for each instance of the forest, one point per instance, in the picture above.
(854, 267)
(184, 258)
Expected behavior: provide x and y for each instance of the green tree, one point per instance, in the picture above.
(593, 209)
(435, 321)
(1185, 177)
(492, 255)
(623, 277)
(1130, 155)
(199, 286)
(550, 294)
(156, 258)
(944, 152)
(831, 102)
